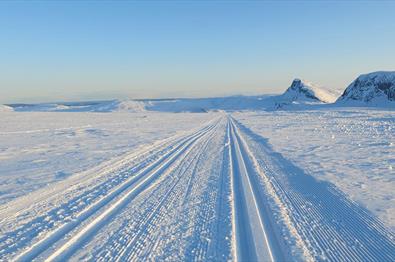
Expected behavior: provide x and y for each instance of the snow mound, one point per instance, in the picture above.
(304, 91)
(131, 106)
(119, 106)
(377, 88)
(4, 108)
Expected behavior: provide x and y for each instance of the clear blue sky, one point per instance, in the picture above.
(98, 50)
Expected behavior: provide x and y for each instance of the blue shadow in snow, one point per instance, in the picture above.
(337, 228)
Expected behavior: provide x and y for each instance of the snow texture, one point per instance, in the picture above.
(266, 186)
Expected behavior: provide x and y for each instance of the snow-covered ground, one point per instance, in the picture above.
(352, 148)
(39, 148)
(269, 186)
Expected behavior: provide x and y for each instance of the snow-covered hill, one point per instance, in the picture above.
(132, 106)
(195, 105)
(4, 108)
(302, 92)
(376, 89)
(92, 106)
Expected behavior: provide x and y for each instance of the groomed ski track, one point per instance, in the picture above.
(214, 194)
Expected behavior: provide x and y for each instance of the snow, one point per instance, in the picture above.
(351, 148)
(198, 105)
(144, 180)
(4, 108)
(40, 148)
(305, 91)
(373, 89)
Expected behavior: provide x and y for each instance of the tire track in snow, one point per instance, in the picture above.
(138, 182)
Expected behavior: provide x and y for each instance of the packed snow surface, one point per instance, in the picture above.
(377, 88)
(39, 148)
(248, 186)
(352, 148)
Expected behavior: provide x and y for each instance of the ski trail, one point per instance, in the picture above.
(216, 193)
(250, 235)
(126, 253)
(329, 225)
(174, 220)
(134, 186)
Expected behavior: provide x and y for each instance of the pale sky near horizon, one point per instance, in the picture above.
(62, 51)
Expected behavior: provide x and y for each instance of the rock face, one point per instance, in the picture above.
(303, 91)
(374, 87)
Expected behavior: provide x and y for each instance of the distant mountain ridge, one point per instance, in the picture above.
(373, 88)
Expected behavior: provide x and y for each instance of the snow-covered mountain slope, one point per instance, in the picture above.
(304, 91)
(4, 108)
(376, 89)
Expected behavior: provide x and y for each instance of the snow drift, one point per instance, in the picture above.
(377, 88)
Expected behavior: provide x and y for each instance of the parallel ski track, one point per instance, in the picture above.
(333, 227)
(163, 182)
(111, 203)
(182, 178)
(125, 165)
(251, 241)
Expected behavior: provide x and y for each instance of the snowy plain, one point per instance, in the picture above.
(352, 148)
(305, 185)
(39, 148)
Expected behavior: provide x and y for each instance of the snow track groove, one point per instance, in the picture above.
(331, 226)
(133, 185)
(254, 240)
(173, 220)
(171, 195)
(217, 193)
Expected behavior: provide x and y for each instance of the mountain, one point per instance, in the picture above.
(4, 108)
(304, 92)
(377, 88)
